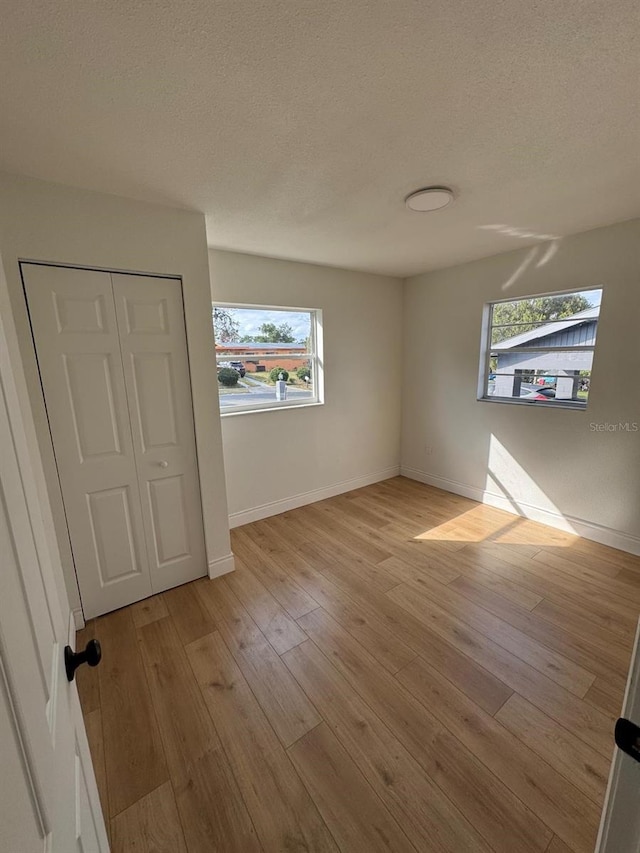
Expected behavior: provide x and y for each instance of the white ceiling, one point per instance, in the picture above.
(298, 127)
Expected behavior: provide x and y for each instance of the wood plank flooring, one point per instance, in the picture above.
(394, 669)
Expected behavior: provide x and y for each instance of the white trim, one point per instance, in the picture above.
(269, 407)
(77, 619)
(551, 403)
(314, 355)
(250, 356)
(236, 519)
(221, 566)
(570, 292)
(253, 306)
(587, 529)
(71, 632)
(617, 824)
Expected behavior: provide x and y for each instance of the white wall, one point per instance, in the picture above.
(279, 459)
(49, 222)
(521, 457)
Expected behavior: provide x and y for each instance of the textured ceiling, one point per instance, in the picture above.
(298, 127)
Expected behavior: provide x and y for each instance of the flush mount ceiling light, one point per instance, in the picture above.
(430, 198)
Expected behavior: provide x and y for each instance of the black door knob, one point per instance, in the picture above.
(627, 737)
(92, 655)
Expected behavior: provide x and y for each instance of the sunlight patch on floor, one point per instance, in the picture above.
(505, 478)
(470, 526)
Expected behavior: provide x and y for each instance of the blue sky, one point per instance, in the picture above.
(250, 320)
(594, 296)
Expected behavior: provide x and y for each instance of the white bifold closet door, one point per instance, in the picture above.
(113, 363)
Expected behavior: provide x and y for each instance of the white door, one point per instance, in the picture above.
(150, 318)
(73, 319)
(620, 826)
(113, 362)
(48, 795)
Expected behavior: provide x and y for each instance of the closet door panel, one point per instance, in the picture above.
(150, 319)
(73, 320)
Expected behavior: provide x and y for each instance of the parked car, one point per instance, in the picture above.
(234, 365)
(544, 393)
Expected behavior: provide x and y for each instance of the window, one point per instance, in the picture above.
(539, 350)
(267, 358)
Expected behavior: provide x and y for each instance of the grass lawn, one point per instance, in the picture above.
(260, 377)
(235, 389)
(266, 380)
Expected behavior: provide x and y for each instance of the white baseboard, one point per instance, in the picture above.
(587, 529)
(77, 618)
(236, 519)
(75, 623)
(221, 566)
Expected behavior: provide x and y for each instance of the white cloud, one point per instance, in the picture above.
(250, 320)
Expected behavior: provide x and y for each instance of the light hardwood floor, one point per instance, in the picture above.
(394, 669)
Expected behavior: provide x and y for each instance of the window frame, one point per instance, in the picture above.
(315, 354)
(486, 349)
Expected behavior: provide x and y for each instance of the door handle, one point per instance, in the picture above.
(163, 463)
(627, 736)
(91, 655)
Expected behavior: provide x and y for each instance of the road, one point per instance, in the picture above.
(258, 392)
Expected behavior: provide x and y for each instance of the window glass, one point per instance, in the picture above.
(540, 349)
(267, 357)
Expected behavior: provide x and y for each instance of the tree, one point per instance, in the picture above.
(530, 312)
(228, 377)
(272, 334)
(274, 374)
(225, 325)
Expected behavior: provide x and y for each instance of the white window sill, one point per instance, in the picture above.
(287, 407)
(536, 404)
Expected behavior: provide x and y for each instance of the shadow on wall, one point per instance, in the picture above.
(534, 479)
(537, 256)
(506, 477)
(576, 470)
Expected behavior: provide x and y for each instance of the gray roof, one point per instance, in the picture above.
(549, 328)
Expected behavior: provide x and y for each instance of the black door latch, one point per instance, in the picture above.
(92, 655)
(627, 736)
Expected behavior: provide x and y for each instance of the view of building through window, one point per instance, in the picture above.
(540, 349)
(266, 357)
